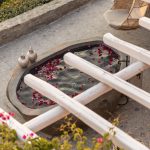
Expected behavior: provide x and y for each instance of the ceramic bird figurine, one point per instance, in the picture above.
(32, 55)
(23, 61)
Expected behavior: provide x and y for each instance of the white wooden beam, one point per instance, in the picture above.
(22, 131)
(113, 81)
(134, 51)
(40, 122)
(95, 121)
(145, 22)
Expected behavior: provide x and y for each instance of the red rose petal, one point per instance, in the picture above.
(24, 137)
(100, 140)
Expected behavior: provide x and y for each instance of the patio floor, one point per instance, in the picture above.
(85, 22)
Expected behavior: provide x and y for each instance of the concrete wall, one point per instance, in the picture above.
(31, 20)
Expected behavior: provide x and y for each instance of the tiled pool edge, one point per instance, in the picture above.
(31, 20)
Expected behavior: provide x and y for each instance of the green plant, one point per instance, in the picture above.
(12, 8)
(68, 132)
(8, 138)
(101, 143)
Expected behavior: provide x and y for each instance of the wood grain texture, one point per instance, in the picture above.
(93, 120)
(40, 122)
(132, 50)
(107, 78)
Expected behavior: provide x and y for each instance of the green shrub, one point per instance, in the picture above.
(68, 132)
(12, 8)
(8, 138)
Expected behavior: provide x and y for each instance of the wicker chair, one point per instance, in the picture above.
(125, 14)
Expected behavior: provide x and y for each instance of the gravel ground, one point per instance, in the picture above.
(82, 23)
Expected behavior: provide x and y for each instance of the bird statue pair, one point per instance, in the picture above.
(30, 57)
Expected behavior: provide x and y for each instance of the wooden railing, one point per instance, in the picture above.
(57, 113)
(145, 22)
(89, 117)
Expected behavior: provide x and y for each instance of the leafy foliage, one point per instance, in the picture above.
(8, 138)
(12, 8)
(69, 132)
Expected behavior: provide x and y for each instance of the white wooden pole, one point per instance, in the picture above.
(113, 81)
(145, 22)
(22, 131)
(96, 122)
(40, 122)
(134, 51)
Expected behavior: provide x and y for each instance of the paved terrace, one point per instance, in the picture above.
(83, 23)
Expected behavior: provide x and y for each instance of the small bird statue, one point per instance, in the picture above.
(23, 61)
(32, 55)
